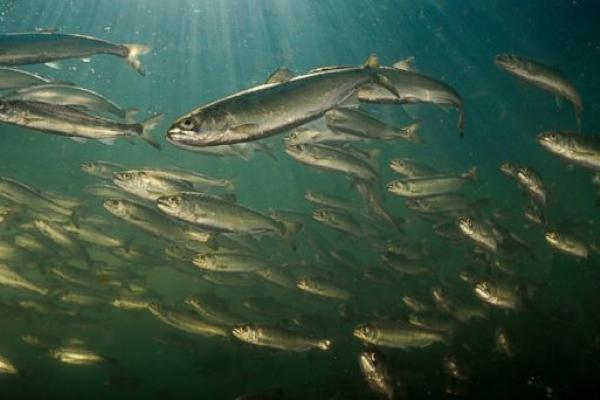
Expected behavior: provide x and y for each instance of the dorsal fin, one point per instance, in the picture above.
(280, 75)
(372, 61)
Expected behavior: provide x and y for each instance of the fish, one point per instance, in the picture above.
(403, 265)
(409, 87)
(575, 148)
(186, 322)
(213, 309)
(71, 122)
(359, 123)
(397, 336)
(542, 76)
(78, 356)
(479, 232)
(431, 186)
(147, 185)
(443, 204)
(6, 367)
(504, 343)
(215, 214)
(323, 288)
(330, 201)
(531, 181)
(11, 78)
(32, 198)
(499, 294)
(567, 243)
(365, 190)
(269, 109)
(340, 221)
(332, 159)
(40, 48)
(61, 237)
(93, 236)
(376, 373)
(191, 177)
(71, 95)
(411, 168)
(229, 262)
(276, 276)
(305, 135)
(278, 338)
(154, 222)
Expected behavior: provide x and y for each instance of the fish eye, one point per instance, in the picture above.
(188, 124)
(293, 135)
(374, 357)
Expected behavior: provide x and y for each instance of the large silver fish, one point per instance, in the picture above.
(11, 78)
(272, 108)
(40, 47)
(544, 77)
(579, 149)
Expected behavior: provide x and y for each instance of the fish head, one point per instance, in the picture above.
(169, 204)
(208, 261)
(370, 362)
(398, 187)
(246, 332)
(365, 332)
(116, 207)
(295, 137)
(508, 169)
(321, 215)
(466, 225)
(509, 62)
(483, 289)
(399, 164)
(417, 204)
(303, 283)
(204, 128)
(553, 141)
(294, 150)
(553, 237)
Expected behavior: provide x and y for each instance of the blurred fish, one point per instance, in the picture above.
(330, 201)
(542, 76)
(323, 288)
(305, 135)
(39, 48)
(148, 186)
(532, 182)
(376, 373)
(184, 321)
(214, 309)
(22, 194)
(10, 278)
(499, 293)
(6, 367)
(504, 344)
(78, 356)
(229, 262)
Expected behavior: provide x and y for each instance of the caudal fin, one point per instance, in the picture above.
(324, 344)
(136, 50)
(147, 126)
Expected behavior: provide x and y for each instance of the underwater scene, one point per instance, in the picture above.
(299, 199)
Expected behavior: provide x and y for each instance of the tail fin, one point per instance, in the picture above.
(411, 133)
(147, 126)
(406, 64)
(129, 114)
(136, 50)
(324, 344)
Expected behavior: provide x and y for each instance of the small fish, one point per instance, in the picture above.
(567, 244)
(11, 78)
(397, 336)
(6, 367)
(376, 373)
(278, 338)
(542, 76)
(359, 123)
(431, 186)
(101, 169)
(323, 288)
(229, 262)
(78, 356)
(583, 150)
(411, 168)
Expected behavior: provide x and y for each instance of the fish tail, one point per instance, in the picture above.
(147, 126)
(133, 53)
(470, 174)
(324, 344)
(129, 114)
